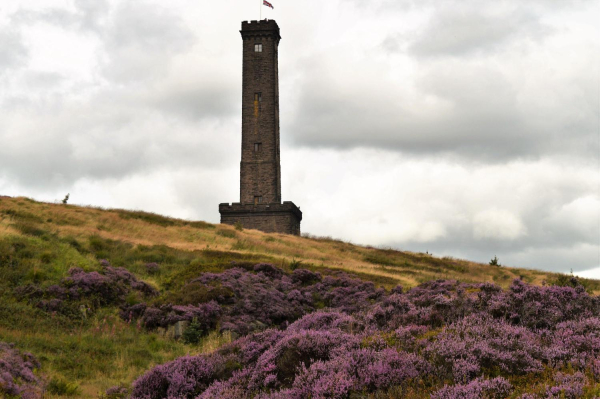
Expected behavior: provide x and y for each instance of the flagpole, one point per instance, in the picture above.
(260, 7)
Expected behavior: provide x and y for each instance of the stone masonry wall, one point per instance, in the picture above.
(275, 218)
(260, 173)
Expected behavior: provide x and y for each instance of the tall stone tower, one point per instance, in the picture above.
(260, 205)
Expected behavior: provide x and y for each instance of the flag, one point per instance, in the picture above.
(266, 3)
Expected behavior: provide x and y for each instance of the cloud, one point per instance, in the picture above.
(13, 52)
(462, 30)
(141, 41)
(497, 224)
(137, 103)
(528, 213)
(522, 104)
(85, 16)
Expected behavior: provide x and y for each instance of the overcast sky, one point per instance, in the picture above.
(463, 128)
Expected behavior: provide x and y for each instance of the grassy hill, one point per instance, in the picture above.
(86, 352)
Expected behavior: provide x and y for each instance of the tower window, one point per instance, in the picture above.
(257, 96)
(258, 48)
(257, 147)
(257, 199)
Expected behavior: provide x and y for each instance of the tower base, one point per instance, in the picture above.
(271, 218)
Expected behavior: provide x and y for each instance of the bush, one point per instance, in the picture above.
(17, 373)
(497, 388)
(193, 333)
(63, 388)
(452, 339)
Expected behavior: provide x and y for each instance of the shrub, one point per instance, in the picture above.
(152, 268)
(60, 387)
(294, 264)
(440, 334)
(477, 343)
(496, 388)
(569, 386)
(17, 373)
(192, 334)
(185, 377)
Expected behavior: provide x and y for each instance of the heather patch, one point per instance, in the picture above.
(81, 291)
(18, 376)
(496, 388)
(253, 300)
(443, 337)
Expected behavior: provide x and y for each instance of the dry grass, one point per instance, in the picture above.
(387, 267)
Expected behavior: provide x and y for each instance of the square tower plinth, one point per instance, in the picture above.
(260, 204)
(271, 218)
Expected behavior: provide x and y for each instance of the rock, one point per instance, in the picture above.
(176, 330)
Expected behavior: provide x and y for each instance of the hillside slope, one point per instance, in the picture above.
(87, 347)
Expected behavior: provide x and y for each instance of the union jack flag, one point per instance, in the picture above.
(266, 3)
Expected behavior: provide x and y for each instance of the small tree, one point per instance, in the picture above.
(238, 226)
(66, 199)
(294, 264)
(494, 261)
(192, 334)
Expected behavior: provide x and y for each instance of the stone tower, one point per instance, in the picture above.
(260, 205)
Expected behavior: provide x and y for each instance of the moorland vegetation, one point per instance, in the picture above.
(89, 299)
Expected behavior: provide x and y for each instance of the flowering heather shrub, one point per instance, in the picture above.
(252, 292)
(540, 307)
(277, 366)
(452, 337)
(206, 314)
(242, 295)
(17, 377)
(476, 343)
(570, 386)
(496, 388)
(305, 277)
(348, 294)
(576, 343)
(360, 370)
(269, 270)
(152, 268)
(185, 377)
(327, 320)
(109, 287)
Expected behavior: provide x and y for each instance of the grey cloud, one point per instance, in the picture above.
(92, 13)
(89, 16)
(550, 242)
(111, 137)
(13, 52)
(460, 31)
(199, 100)
(478, 113)
(141, 41)
(123, 129)
(386, 6)
(477, 123)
